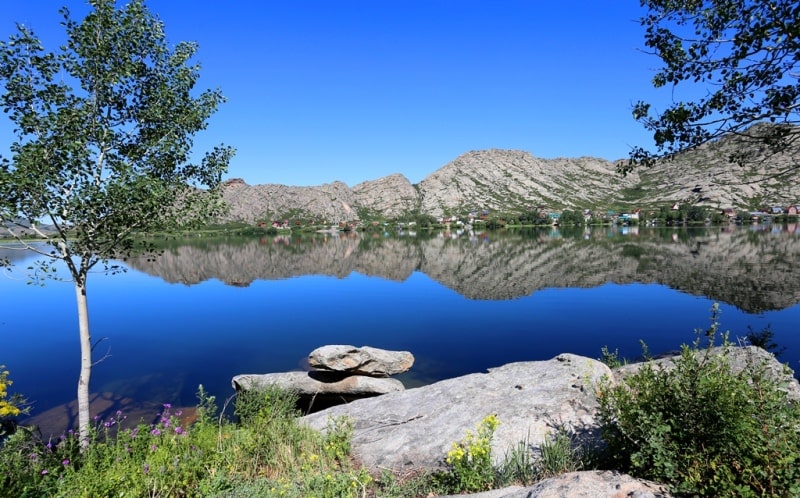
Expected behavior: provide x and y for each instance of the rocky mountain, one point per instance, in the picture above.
(515, 181)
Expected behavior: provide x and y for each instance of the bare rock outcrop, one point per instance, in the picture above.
(509, 181)
(414, 429)
(586, 484)
(340, 374)
(514, 180)
(317, 383)
(328, 203)
(391, 195)
(365, 360)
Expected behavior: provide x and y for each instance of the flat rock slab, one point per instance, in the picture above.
(414, 429)
(319, 383)
(361, 361)
(586, 484)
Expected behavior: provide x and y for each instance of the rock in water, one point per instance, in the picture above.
(365, 360)
(318, 390)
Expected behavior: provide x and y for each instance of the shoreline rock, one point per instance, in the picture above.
(365, 360)
(414, 429)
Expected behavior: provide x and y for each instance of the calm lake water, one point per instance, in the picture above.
(207, 310)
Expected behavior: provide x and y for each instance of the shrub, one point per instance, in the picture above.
(702, 427)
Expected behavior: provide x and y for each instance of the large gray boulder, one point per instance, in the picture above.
(414, 429)
(365, 360)
(317, 390)
(319, 383)
(586, 484)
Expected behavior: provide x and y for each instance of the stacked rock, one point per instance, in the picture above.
(341, 374)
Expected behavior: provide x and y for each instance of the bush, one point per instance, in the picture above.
(702, 427)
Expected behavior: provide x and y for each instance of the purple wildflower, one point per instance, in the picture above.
(65, 462)
(179, 430)
(155, 432)
(147, 468)
(44, 472)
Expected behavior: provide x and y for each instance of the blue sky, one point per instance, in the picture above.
(356, 90)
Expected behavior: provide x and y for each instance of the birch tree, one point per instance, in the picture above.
(102, 147)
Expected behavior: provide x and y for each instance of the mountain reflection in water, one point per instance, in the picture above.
(208, 309)
(753, 269)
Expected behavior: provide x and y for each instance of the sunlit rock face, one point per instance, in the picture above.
(509, 181)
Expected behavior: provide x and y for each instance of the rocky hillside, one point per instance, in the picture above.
(515, 181)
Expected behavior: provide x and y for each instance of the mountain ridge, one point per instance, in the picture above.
(514, 181)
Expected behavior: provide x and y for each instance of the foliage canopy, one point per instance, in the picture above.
(743, 55)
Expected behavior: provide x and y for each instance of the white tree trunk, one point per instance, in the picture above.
(86, 361)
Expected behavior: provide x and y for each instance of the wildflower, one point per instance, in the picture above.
(146, 468)
(44, 472)
(155, 432)
(167, 406)
(179, 430)
(65, 462)
(178, 413)
(153, 447)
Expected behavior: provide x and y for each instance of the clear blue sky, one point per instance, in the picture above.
(356, 90)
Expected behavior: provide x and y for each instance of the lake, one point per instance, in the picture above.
(209, 309)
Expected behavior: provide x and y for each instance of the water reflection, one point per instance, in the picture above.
(753, 268)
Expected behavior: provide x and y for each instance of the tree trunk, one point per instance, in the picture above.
(86, 361)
